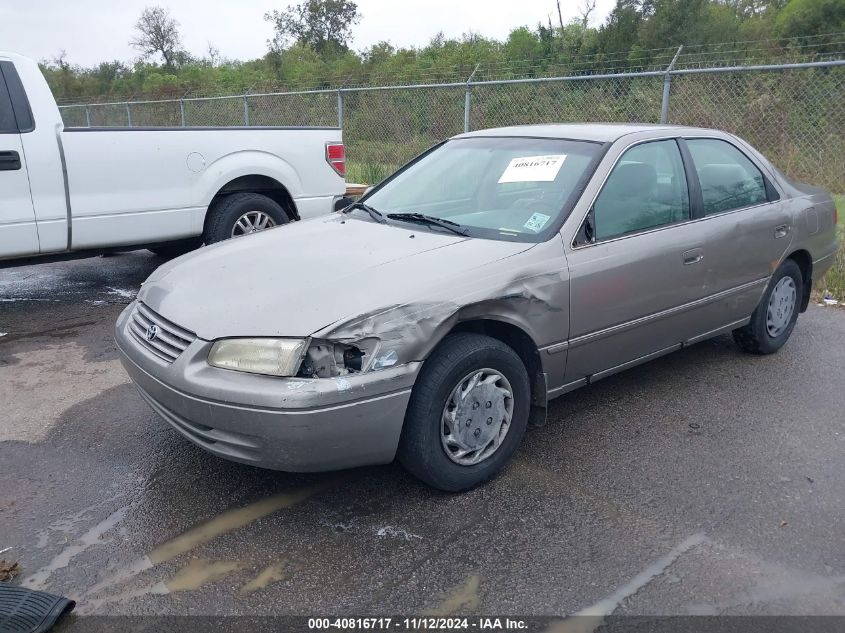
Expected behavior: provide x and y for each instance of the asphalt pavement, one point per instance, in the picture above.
(706, 482)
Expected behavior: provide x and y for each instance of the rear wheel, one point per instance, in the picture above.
(774, 318)
(467, 414)
(241, 214)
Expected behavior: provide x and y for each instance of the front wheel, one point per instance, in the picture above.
(241, 214)
(467, 414)
(774, 318)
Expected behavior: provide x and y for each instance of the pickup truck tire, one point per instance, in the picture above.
(449, 384)
(774, 317)
(224, 214)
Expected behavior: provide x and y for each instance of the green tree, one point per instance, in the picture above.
(800, 18)
(324, 25)
(523, 44)
(621, 30)
(158, 34)
(312, 39)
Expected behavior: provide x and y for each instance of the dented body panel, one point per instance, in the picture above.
(391, 292)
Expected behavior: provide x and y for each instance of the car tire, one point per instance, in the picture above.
(224, 215)
(175, 249)
(774, 317)
(422, 450)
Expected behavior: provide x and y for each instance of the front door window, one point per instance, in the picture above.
(646, 189)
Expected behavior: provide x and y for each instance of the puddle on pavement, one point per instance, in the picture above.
(68, 525)
(462, 599)
(231, 520)
(201, 572)
(94, 536)
(194, 575)
(65, 525)
(223, 523)
(122, 576)
(272, 574)
(611, 603)
(591, 618)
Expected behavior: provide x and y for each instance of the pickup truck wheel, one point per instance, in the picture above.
(241, 214)
(467, 414)
(774, 318)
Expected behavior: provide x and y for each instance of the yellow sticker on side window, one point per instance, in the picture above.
(533, 168)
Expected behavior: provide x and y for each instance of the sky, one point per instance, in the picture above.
(91, 31)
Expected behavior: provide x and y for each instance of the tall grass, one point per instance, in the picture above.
(366, 173)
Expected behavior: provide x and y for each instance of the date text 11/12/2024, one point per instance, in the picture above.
(419, 623)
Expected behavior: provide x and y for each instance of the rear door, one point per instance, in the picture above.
(636, 265)
(746, 226)
(18, 232)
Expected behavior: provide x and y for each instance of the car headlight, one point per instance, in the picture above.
(269, 356)
(329, 359)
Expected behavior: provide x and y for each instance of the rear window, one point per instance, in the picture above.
(7, 114)
(22, 120)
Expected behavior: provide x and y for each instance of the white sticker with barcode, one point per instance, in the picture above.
(533, 168)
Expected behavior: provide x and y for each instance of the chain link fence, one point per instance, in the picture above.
(794, 113)
(795, 117)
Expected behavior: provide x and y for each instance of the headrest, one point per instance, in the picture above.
(720, 176)
(632, 179)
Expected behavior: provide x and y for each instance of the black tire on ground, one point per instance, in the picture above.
(224, 214)
(420, 449)
(175, 249)
(755, 337)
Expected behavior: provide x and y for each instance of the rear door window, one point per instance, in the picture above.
(729, 180)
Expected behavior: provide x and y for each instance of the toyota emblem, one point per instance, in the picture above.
(152, 332)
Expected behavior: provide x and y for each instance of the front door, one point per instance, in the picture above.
(637, 265)
(18, 232)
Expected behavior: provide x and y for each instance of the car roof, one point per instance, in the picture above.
(601, 132)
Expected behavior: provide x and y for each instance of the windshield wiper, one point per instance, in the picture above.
(421, 218)
(376, 215)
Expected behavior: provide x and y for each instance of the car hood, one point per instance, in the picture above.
(300, 278)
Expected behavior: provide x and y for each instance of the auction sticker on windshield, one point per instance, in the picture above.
(536, 222)
(533, 168)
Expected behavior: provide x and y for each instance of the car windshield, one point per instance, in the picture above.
(502, 188)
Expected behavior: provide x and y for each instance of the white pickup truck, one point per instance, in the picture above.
(70, 191)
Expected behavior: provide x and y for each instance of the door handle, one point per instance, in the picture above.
(781, 231)
(692, 256)
(10, 161)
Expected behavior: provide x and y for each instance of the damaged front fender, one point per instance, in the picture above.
(529, 290)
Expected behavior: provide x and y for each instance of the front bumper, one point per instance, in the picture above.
(292, 424)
